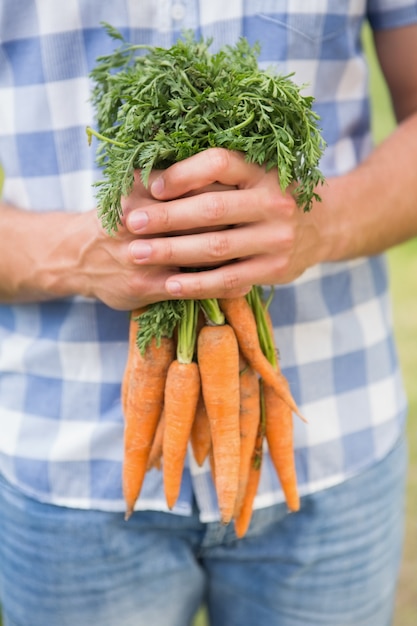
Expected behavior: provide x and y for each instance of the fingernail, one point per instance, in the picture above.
(137, 220)
(157, 186)
(174, 287)
(140, 250)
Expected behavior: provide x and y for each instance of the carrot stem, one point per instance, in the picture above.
(266, 340)
(212, 311)
(187, 332)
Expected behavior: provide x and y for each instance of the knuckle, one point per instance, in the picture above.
(169, 250)
(218, 245)
(288, 206)
(287, 238)
(231, 280)
(214, 207)
(278, 266)
(271, 201)
(164, 219)
(281, 270)
(219, 159)
(197, 288)
(279, 241)
(133, 283)
(277, 203)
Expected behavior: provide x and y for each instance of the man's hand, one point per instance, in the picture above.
(250, 233)
(52, 255)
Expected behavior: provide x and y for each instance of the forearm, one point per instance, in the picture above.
(39, 257)
(374, 207)
(49, 255)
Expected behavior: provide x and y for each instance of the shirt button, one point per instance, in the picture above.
(177, 12)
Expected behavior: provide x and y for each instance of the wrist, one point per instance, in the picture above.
(332, 219)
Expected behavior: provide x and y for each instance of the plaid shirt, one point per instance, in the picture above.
(61, 362)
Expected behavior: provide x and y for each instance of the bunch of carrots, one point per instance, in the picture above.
(205, 372)
(214, 384)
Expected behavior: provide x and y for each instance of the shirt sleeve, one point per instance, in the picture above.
(386, 14)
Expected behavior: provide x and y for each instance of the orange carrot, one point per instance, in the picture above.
(249, 417)
(279, 436)
(279, 426)
(182, 390)
(145, 400)
(155, 455)
(218, 359)
(244, 515)
(240, 316)
(132, 347)
(200, 433)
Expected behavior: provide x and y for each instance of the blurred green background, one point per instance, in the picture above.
(403, 273)
(403, 269)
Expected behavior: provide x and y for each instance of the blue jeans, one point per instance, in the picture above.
(334, 563)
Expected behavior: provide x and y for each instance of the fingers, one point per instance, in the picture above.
(104, 269)
(212, 210)
(211, 166)
(139, 196)
(215, 188)
(221, 215)
(210, 248)
(229, 261)
(228, 281)
(223, 282)
(203, 211)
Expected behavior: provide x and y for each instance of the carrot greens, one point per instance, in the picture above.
(159, 320)
(155, 106)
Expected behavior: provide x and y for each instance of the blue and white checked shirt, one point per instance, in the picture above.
(61, 362)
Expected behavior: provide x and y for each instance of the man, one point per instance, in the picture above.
(67, 555)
